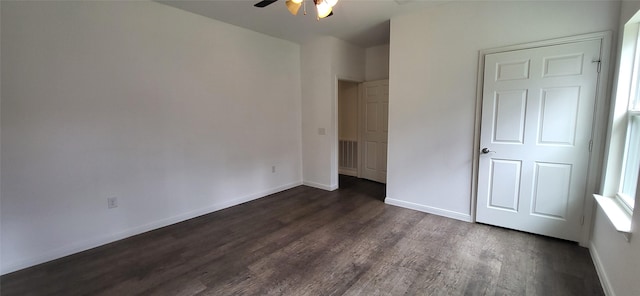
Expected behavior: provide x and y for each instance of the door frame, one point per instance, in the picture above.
(598, 131)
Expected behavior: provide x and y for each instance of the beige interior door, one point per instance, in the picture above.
(375, 114)
(537, 113)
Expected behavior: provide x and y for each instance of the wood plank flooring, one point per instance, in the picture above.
(306, 241)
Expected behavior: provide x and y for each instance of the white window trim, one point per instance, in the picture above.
(623, 199)
(627, 200)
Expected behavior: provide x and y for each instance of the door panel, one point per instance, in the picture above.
(509, 116)
(537, 113)
(505, 184)
(512, 70)
(552, 183)
(558, 115)
(375, 97)
(371, 117)
(371, 155)
(567, 65)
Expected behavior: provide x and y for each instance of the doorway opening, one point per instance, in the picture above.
(362, 135)
(348, 149)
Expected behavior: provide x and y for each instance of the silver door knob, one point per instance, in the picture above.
(486, 150)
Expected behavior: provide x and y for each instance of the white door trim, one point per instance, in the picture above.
(599, 122)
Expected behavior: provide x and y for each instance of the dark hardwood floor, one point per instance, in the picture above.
(306, 241)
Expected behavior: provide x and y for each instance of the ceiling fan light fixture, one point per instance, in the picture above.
(323, 8)
(293, 6)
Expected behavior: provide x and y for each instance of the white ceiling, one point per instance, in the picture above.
(360, 22)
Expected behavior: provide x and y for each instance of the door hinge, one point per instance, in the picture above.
(590, 145)
(599, 64)
(582, 220)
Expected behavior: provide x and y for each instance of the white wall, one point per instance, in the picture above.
(618, 261)
(377, 62)
(347, 110)
(433, 74)
(323, 61)
(175, 114)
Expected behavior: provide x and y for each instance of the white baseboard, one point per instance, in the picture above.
(320, 186)
(84, 245)
(428, 209)
(604, 280)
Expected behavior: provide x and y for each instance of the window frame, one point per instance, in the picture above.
(630, 174)
(632, 125)
(618, 207)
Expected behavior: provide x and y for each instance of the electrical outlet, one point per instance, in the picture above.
(112, 202)
(273, 169)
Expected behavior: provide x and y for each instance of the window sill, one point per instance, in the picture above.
(620, 218)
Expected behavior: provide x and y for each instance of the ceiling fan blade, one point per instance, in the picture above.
(264, 3)
(293, 7)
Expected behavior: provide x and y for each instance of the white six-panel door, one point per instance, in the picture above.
(537, 113)
(375, 114)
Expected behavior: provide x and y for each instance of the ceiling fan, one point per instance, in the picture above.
(323, 7)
